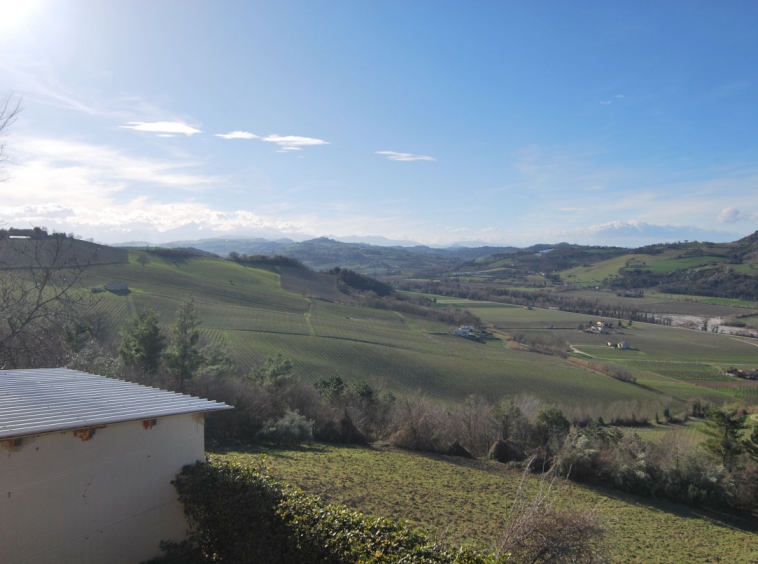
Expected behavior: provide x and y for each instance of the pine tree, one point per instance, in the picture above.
(143, 343)
(182, 357)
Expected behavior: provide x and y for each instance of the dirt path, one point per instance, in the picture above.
(577, 351)
(307, 316)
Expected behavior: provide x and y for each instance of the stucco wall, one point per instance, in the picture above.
(69, 497)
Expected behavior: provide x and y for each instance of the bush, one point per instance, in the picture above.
(292, 429)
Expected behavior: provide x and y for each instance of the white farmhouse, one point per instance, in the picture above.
(86, 464)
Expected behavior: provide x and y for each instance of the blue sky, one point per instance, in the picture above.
(513, 123)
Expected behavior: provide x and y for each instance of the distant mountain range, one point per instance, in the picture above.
(324, 253)
(710, 269)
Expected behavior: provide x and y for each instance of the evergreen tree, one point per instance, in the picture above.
(143, 343)
(723, 427)
(182, 356)
(275, 374)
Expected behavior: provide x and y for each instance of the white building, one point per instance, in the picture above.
(86, 464)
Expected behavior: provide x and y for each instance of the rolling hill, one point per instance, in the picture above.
(258, 312)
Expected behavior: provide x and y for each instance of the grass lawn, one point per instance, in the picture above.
(465, 501)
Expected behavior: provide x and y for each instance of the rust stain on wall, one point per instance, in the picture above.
(86, 434)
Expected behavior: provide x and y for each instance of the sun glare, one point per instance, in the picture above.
(14, 13)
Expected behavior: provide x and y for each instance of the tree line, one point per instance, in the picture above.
(273, 405)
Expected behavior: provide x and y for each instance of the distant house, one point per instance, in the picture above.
(86, 464)
(622, 345)
(116, 286)
(462, 332)
(468, 327)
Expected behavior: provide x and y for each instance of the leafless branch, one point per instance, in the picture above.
(10, 106)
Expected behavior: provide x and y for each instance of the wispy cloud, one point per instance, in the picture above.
(605, 102)
(405, 157)
(619, 96)
(162, 127)
(55, 170)
(238, 135)
(293, 142)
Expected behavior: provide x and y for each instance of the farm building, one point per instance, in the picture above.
(86, 464)
(116, 286)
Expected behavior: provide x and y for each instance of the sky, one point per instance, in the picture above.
(436, 122)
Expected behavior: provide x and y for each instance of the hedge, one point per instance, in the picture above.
(240, 514)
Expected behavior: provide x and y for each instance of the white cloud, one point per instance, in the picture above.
(634, 232)
(162, 127)
(293, 142)
(620, 96)
(732, 215)
(47, 171)
(405, 157)
(605, 102)
(142, 218)
(238, 135)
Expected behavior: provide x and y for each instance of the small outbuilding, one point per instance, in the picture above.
(86, 464)
(116, 286)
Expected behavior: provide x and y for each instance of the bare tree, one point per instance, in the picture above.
(536, 530)
(9, 109)
(40, 298)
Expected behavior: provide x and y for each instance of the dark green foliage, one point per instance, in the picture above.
(331, 389)
(718, 281)
(263, 261)
(724, 426)
(275, 374)
(76, 334)
(182, 356)
(551, 428)
(240, 514)
(751, 444)
(361, 282)
(217, 363)
(143, 342)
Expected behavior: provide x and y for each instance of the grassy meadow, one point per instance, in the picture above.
(465, 501)
(246, 310)
(677, 362)
(257, 313)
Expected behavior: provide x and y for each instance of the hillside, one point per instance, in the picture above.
(323, 254)
(256, 313)
(56, 251)
(723, 270)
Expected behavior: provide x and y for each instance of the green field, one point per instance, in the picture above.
(677, 362)
(247, 310)
(464, 502)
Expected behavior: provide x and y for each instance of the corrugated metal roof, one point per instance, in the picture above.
(56, 399)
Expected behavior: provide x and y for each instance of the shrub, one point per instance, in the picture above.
(292, 429)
